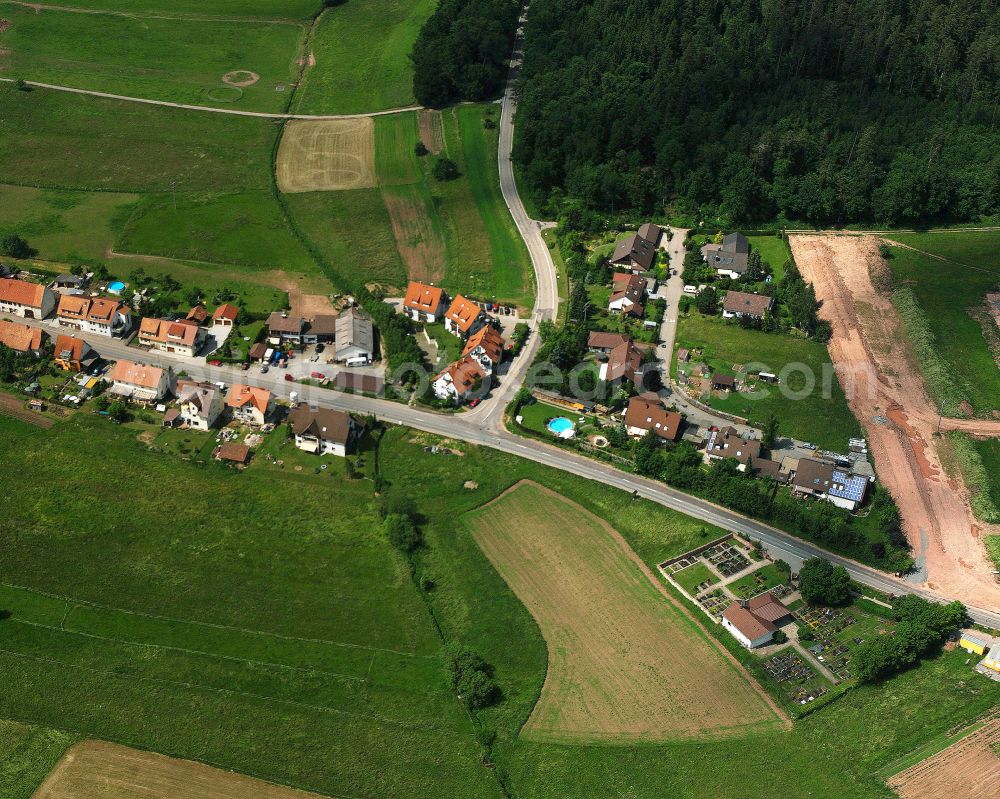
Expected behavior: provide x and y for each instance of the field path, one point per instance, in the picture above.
(885, 390)
(211, 109)
(626, 660)
(108, 12)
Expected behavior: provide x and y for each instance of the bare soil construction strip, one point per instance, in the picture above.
(100, 770)
(968, 769)
(886, 391)
(626, 661)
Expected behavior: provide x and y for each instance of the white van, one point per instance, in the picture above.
(360, 360)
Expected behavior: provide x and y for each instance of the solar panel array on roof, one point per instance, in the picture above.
(848, 486)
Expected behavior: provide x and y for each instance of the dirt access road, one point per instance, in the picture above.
(884, 387)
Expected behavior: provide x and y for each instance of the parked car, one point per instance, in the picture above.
(289, 378)
(318, 375)
(475, 402)
(215, 363)
(244, 366)
(263, 369)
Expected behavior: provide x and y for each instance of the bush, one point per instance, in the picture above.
(420, 148)
(14, 246)
(472, 678)
(822, 583)
(402, 533)
(445, 169)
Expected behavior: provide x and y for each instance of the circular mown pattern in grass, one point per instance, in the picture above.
(225, 94)
(240, 78)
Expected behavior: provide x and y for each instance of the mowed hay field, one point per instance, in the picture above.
(100, 770)
(362, 53)
(626, 662)
(950, 274)
(968, 769)
(174, 59)
(326, 155)
(27, 754)
(238, 9)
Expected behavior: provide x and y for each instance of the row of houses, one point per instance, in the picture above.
(429, 304)
(351, 331)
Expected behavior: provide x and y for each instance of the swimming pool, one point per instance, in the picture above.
(561, 426)
(116, 287)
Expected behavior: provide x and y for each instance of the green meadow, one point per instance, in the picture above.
(237, 9)
(177, 60)
(362, 51)
(27, 753)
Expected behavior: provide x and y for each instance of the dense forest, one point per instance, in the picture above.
(826, 111)
(463, 50)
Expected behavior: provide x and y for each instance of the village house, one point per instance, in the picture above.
(225, 315)
(322, 328)
(232, 452)
(721, 382)
(601, 342)
(459, 380)
(198, 315)
(424, 303)
(73, 354)
(624, 363)
(727, 443)
(823, 480)
(730, 258)
(740, 303)
(627, 292)
(754, 622)
(98, 315)
(285, 329)
(355, 337)
(167, 336)
(200, 404)
(249, 404)
(992, 659)
(638, 252)
(322, 431)
(69, 284)
(647, 413)
(26, 300)
(464, 317)
(975, 643)
(139, 382)
(486, 347)
(765, 467)
(21, 338)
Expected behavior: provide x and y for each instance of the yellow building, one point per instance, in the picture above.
(992, 659)
(974, 643)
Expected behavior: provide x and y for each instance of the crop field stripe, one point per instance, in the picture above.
(192, 686)
(395, 159)
(585, 696)
(212, 625)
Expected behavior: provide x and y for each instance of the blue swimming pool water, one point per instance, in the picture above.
(116, 286)
(560, 425)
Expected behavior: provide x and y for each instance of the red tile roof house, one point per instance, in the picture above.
(739, 303)
(225, 315)
(166, 336)
(201, 404)
(486, 348)
(754, 622)
(139, 382)
(627, 292)
(644, 414)
(323, 431)
(198, 315)
(464, 317)
(105, 317)
(27, 300)
(624, 363)
(599, 341)
(249, 404)
(424, 303)
(21, 338)
(459, 380)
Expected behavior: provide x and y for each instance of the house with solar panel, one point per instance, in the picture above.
(823, 480)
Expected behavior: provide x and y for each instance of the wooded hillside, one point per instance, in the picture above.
(827, 111)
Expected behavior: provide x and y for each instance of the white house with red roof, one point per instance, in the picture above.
(486, 347)
(250, 404)
(459, 380)
(27, 300)
(424, 303)
(464, 317)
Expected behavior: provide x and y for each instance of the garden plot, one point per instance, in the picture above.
(798, 681)
(836, 632)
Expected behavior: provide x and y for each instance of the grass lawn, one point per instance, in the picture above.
(362, 51)
(563, 276)
(449, 345)
(178, 60)
(946, 292)
(60, 140)
(535, 415)
(268, 9)
(64, 225)
(824, 420)
(695, 575)
(353, 231)
(28, 754)
(247, 230)
(773, 251)
(764, 579)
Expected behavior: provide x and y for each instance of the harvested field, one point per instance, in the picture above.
(100, 770)
(309, 305)
(968, 769)
(885, 390)
(420, 243)
(14, 406)
(431, 130)
(327, 155)
(626, 660)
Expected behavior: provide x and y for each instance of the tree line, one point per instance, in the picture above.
(822, 111)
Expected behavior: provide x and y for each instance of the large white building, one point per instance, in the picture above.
(24, 299)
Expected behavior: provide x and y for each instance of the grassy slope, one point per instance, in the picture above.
(296, 651)
(826, 422)
(163, 59)
(54, 139)
(267, 9)
(246, 229)
(945, 292)
(63, 225)
(362, 50)
(773, 251)
(27, 754)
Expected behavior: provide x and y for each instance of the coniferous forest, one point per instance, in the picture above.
(821, 111)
